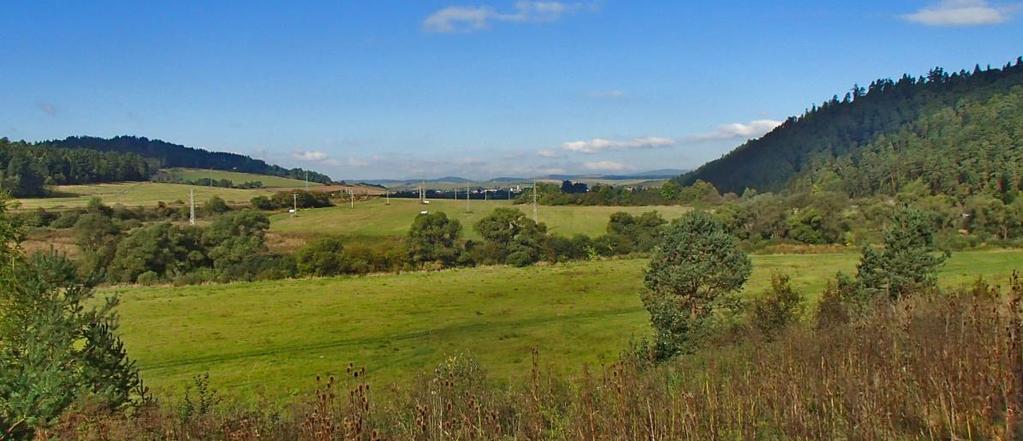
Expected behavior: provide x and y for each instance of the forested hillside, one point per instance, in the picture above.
(974, 147)
(174, 155)
(967, 124)
(25, 169)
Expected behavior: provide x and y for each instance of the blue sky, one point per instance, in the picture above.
(385, 88)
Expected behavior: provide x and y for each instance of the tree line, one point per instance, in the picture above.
(170, 155)
(162, 176)
(27, 169)
(821, 211)
(139, 245)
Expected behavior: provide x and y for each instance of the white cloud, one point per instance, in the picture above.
(310, 156)
(475, 18)
(605, 166)
(459, 19)
(547, 153)
(960, 13)
(600, 144)
(753, 129)
(356, 162)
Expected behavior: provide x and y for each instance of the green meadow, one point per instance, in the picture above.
(148, 194)
(136, 194)
(271, 339)
(192, 174)
(375, 218)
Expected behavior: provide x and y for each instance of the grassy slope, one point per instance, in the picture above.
(374, 218)
(147, 194)
(273, 338)
(237, 178)
(139, 194)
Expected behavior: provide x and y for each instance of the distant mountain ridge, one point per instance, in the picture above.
(170, 155)
(647, 175)
(866, 120)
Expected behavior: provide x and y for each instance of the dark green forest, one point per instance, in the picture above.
(958, 132)
(972, 148)
(26, 169)
(174, 155)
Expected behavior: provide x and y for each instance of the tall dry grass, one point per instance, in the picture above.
(936, 366)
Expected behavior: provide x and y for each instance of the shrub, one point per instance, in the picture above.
(38, 218)
(510, 232)
(262, 203)
(164, 248)
(520, 258)
(779, 307)
(692, 273)
(635, 233)
(434, 238)
(907, 263)
(148, 278)
(321, 258)
(215, 205)
(57, 346)
(66, 219)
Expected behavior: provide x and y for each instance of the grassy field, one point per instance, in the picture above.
(374, 218)
(272, 338)
(192, 174)
(139, 194)
(147, 194)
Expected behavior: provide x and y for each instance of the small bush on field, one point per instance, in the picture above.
(148, 278)
(779, 307)
(66, 219)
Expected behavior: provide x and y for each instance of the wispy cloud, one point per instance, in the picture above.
(961, 13)
(752, 129)
(310, 156)
(607, 94)
(547, 153)
(48, 108)
(596, 145)
(357, 162)
(606, 166)
(475, 18)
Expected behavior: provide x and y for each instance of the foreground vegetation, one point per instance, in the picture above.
(924, 367)
(704, 321)
(270, 338)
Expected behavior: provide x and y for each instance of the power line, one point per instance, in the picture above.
(536, 215)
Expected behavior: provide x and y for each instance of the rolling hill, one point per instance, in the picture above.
(33, 169)
(864, 138)
(175, 155)
(267, 181)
